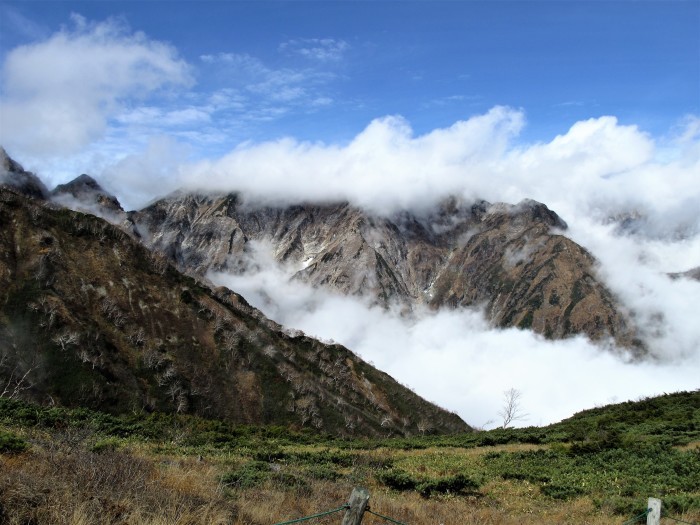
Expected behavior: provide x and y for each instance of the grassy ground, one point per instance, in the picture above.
(79, 467)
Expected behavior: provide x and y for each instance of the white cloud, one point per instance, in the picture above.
(319, 49)
(383, 167)
(263, 93)
(151, 117)
(136, 177)
(598, 168)
(454, 358)
(58, 94)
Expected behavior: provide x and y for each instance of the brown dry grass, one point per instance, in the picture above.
(79, 487)
(62, 481)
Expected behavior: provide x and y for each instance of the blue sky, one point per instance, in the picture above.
(321, 71)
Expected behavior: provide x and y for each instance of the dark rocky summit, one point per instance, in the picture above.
(85, 191)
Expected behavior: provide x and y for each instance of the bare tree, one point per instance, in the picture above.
(511, 411)
(18, 381)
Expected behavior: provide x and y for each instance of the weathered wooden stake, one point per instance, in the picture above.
(654, 516)
(358, 503)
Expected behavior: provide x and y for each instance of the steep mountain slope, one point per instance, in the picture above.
(89, 317)
(509, 258)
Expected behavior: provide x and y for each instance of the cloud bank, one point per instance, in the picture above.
(599, 167)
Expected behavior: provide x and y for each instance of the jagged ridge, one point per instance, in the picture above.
(512, 259)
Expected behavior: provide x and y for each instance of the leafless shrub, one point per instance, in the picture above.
(46, 307)
(138, 337)
(111, 310)
(91, 356)
(424, 426)
(66, 338)
(167, 375)
(152, 359)
(16, 383)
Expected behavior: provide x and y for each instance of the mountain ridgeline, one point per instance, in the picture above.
(514, 260)
(90, 317)
(119, 315)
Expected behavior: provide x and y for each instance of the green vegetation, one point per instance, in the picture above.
(600, 464)
(10, 443)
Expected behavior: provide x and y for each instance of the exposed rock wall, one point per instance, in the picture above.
(512, 259)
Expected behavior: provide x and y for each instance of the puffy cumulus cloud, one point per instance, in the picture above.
(384, 167)
(454, 358)
(58, 94)
(598, 167)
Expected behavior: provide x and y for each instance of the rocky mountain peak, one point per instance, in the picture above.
(87, 193)
(14, 176)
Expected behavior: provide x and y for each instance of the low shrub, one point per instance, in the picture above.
(109, 444)
(11, 444)
(400, 480)
(562, 492)
(323, 471)
(458, 484)
(397, 479)
(250, 475)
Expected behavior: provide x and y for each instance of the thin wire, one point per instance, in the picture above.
(637, 518)
(385, 517)
(305, 518)
(679, 521)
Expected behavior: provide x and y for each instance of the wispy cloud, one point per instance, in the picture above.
(149, 116)
(452, 100)
(317, 49)
(569, 103)
(21, 25)
(265, 92)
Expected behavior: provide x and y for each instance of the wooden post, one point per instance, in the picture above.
(654, 516)
(358, 503)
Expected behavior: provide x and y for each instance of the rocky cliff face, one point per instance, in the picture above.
(89, 317)
(515, 260)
